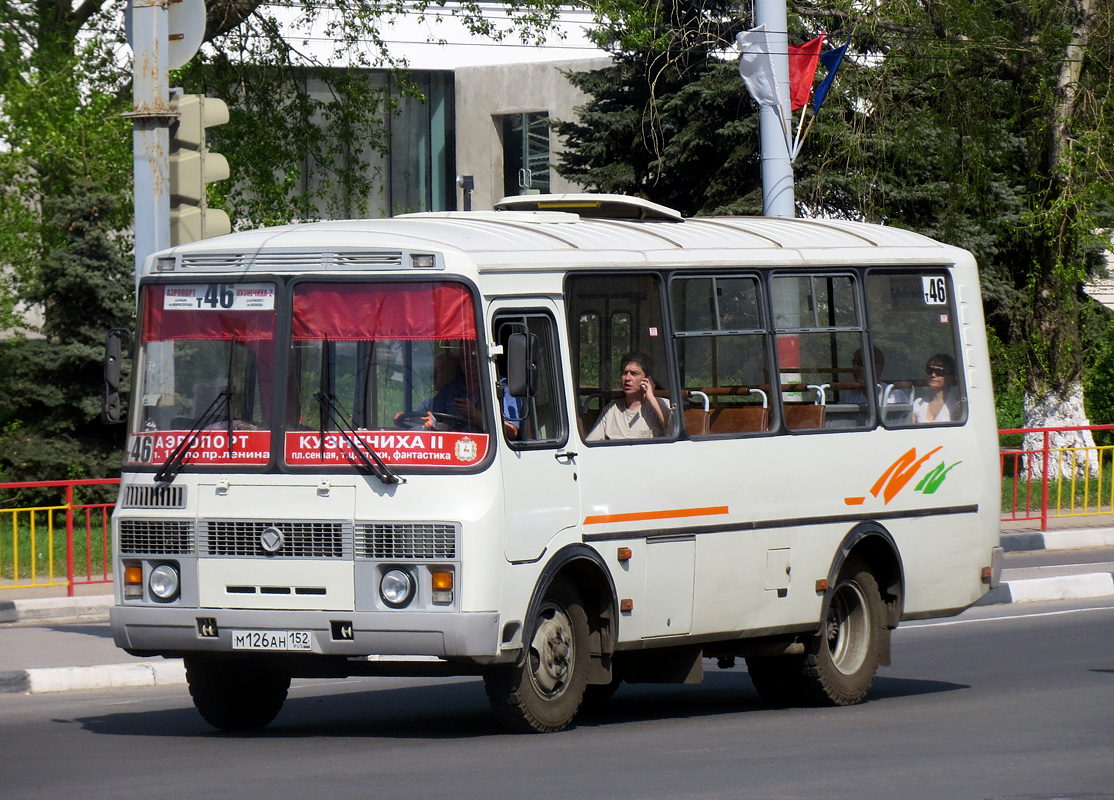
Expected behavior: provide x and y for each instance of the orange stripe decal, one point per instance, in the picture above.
(854, 501)
(641, 516)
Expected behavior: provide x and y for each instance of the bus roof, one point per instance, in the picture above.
(574, 237)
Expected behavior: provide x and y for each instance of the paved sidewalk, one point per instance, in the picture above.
(57, 643)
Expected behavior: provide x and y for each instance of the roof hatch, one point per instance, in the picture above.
(593, 206)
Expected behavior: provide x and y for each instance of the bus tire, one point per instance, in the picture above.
(235, 695)
(842, 660)
(543, 692)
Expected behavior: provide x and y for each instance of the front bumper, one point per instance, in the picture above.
(173, 632)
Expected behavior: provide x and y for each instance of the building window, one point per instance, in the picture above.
(526, 153)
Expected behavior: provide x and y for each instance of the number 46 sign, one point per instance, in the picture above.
(935, 290)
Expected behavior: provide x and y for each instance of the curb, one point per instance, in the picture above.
(106, 676)
(58, 609)
(1059, 587)
(1058, 540)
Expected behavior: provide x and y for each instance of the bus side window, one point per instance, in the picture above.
(821, 339)
(537, 420)
(913, 323)
(611, 317)
(723, 354)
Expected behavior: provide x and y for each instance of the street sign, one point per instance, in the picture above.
(185, 23)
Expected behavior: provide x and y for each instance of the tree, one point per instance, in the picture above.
(66, 167)
(670, 121)
(984, 124)
(50, 407)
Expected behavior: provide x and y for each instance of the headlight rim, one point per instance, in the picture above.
(162, 569)
(411, 587)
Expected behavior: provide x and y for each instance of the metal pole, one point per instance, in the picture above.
(1044, 484)
(69, 540)
(151, 129)
(777, 171)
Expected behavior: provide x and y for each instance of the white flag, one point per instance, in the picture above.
(757, 67)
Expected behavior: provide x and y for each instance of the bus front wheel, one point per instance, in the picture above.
(543, 692)
(235, 695)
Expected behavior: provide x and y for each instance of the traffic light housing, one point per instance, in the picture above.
(192, 167)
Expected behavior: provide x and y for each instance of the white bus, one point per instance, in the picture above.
(569, 442)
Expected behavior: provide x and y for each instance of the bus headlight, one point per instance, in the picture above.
(396, 588)
(164, 582)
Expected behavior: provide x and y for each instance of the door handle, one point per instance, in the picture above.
(565, 457)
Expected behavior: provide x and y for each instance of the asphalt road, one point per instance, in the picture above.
(1000, 702)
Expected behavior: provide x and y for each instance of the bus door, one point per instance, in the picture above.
(541, 495)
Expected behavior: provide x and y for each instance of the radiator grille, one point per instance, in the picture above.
(410, 541)
(154, 497)
(164, 537)
(300, 539)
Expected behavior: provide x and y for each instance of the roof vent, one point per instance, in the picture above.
(592, 206)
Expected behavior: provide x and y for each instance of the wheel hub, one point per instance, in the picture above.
(550, 652)
(847, 629)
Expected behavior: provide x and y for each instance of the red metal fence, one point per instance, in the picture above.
(33, 551)
(1056, 476)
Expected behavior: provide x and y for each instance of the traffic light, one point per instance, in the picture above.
(192, 167)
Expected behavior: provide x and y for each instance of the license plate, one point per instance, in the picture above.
(272, 640)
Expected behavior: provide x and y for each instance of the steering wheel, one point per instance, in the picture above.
(432, 421)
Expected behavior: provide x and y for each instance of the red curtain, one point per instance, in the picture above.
(163, 325)
(367, 311)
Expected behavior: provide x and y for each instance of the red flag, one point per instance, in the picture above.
(802, 70)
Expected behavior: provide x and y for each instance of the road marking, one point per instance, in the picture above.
(915, 625)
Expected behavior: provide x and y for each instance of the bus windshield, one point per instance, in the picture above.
(392, 367)
(389, 369)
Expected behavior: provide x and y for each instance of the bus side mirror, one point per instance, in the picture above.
(114, 344)
(522, 364)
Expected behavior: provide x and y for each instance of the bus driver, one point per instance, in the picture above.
(638, 414)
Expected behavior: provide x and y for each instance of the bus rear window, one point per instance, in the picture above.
(918, 373)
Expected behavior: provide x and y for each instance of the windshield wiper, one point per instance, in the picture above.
(327, 403)
(177, 458)
(173, 464)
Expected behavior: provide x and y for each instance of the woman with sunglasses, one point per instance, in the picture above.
(942, 404)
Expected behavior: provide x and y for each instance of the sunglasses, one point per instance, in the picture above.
(936, 372)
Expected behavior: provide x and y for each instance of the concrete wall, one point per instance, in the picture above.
(485, 94)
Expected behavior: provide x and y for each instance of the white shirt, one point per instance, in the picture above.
(619, 422)
(949, 412)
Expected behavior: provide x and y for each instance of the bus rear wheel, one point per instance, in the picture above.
(543, 692)
(840, 662)
(235, 695)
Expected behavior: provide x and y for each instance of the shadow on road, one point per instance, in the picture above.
(101, 630)
(459, 710)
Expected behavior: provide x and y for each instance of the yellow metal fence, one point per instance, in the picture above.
(64, 543)
(1045, 482)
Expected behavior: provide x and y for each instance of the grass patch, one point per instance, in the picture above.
(1066, 496)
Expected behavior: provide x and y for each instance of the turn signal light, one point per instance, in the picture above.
(624, 554)
(442, 588)
(133, 580)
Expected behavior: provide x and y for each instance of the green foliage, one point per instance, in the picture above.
(299, 143)
(670, 121)
(49, 412)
